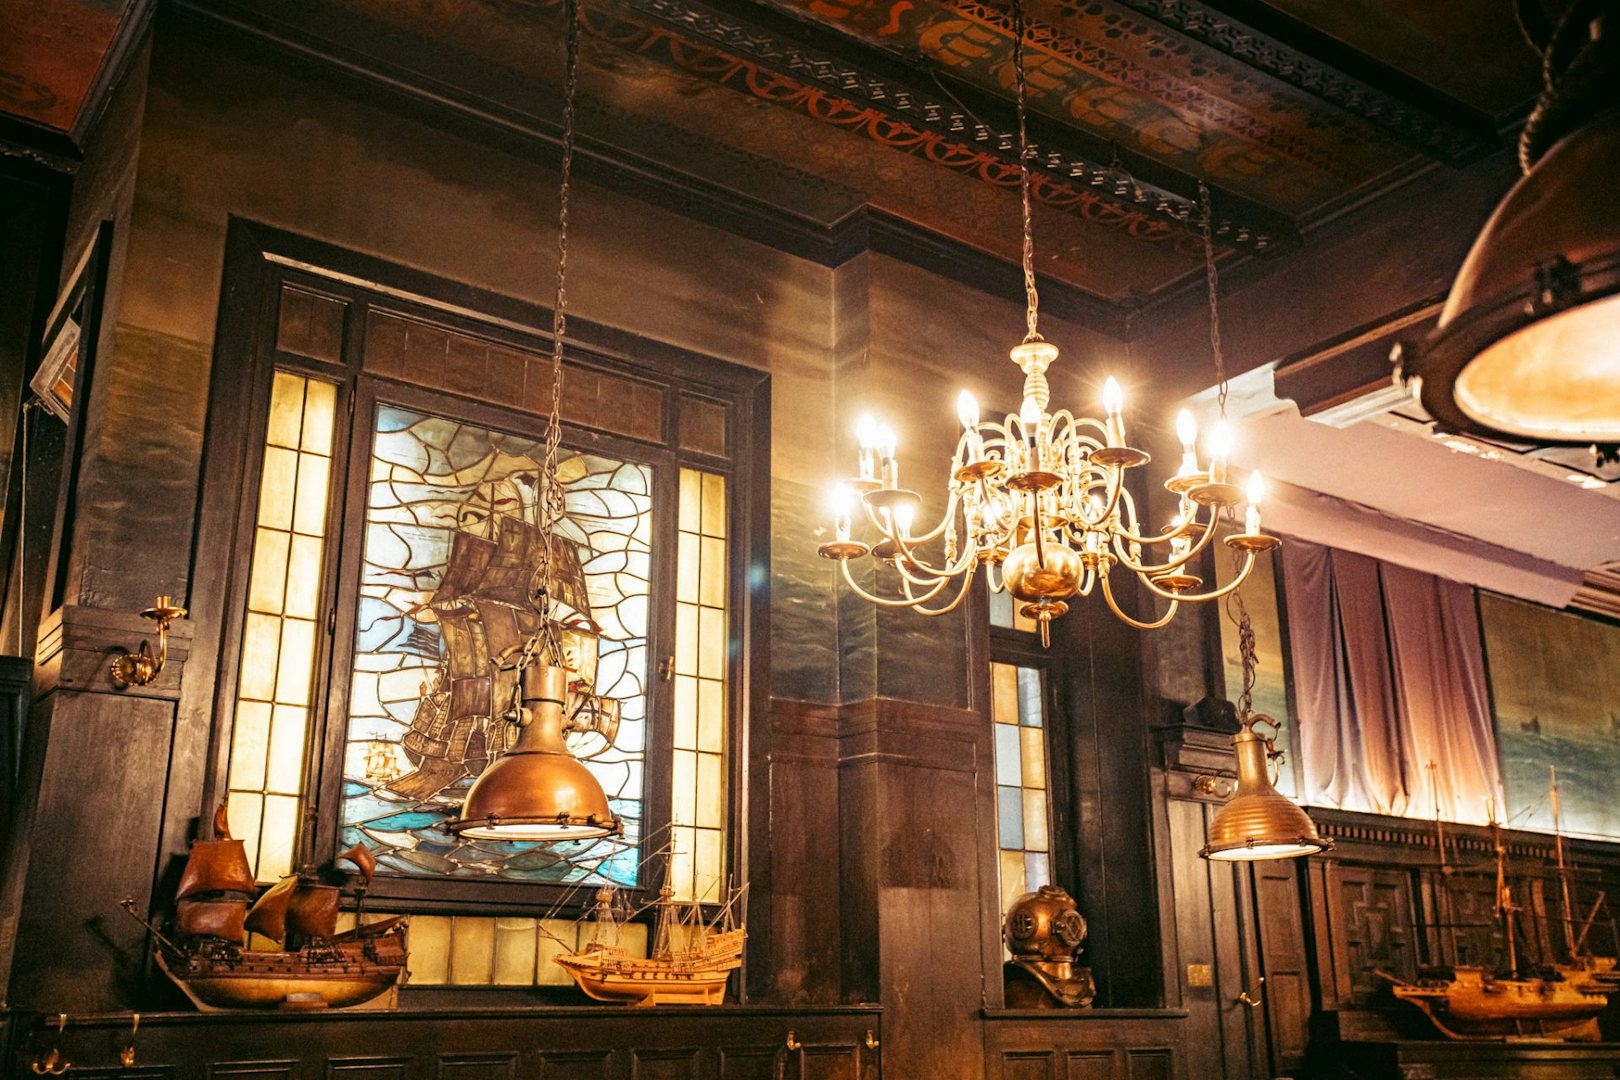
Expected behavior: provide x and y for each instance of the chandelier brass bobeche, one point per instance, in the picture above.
(1040, 498)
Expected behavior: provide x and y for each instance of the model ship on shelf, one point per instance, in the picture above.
(1579, 964)
(690, 972)
(1470, 1001)
(206, 952)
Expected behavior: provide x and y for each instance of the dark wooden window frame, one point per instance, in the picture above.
(259, 260)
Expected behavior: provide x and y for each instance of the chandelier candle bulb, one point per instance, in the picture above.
(1220, 448)
(967, 410)
(1030, 418)
(866, 430)
(1187, 433)
(1256, 492)
(1114, 404)
(1179, 545)
(843, 510)
(886, 458)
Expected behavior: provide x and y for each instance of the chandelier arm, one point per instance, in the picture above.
(961, 594)
(882, 602)
(929, 571)
(993, 579)
(1213, 594)
(1108, 594)
(1175, 564)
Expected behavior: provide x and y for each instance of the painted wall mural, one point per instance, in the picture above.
(450, 550)
(1555, 685)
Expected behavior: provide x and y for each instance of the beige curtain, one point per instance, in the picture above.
(1388, 675)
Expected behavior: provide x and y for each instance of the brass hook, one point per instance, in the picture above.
(126, 1056)
(1253, 1000)
(794, 1044)
(141, 668)
(871, 1041)
(53, 1063)
(1219, 787)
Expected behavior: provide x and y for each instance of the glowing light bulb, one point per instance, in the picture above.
(1220, 448)
(1256, 491)
(843, 507)
(1030, 417)
(1187, 434)
(885, 452)
(866, 430)
(1114, 403)
(903, 516)
(1180, 545)
(967, 410)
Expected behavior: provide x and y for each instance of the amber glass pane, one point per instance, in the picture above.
(1017, 705)
(702, 638)
(276, 666)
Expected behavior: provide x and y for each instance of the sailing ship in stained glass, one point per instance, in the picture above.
(451, 551)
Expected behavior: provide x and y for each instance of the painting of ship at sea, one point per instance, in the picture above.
(537, 790)
(1043, 930)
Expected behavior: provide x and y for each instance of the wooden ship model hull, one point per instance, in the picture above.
(271, 981)
(1473, 1005)
(694, 977)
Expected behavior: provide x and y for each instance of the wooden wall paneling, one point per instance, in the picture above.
(1029, 1065)
(1374, 926)
(477, 1066)
(677, 1064)
(368, 1068)
(1089, 1044)
(749, 1063)
(826, 1063)
(252, 1070)
(802, 959)
(575, 1064)
(1152, 1064)
(1089, 1064)
(95, 818)
(1196, 936)
(1283, 961)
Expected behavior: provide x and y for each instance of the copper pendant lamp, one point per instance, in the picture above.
(537, 790)
(1528, 343)
(1258, 822)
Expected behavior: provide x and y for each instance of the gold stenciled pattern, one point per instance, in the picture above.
(698, 766)
(279, 633)
(1018, 708)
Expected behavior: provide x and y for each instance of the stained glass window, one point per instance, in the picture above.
(279, 634)
(451, 547)
(698, 774)
(1018, 709)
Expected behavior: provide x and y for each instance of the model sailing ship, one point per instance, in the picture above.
(693, 972)
(1470, 1001)
(206, 952)
(1579, 965)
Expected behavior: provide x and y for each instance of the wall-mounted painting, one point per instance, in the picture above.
(1555, 687)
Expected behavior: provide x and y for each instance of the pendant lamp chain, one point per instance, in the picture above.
(1213, 280)
(1033, 300)
(552, 495)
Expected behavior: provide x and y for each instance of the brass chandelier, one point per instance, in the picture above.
(1039, 498)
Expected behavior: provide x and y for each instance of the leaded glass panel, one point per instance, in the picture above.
(450, 549)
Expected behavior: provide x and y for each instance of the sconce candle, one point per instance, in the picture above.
(1220, 448)
(1030, 417)
(1256, 492)
(843, 510)
(967, 410)
(886, 458)
(1187, 433)
(1114, 404)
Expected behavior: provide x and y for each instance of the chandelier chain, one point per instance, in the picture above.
(1213, 280)
(552, 497)
(1238, 612)
(1021, 82)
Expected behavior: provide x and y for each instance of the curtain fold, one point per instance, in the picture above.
(1388, 675)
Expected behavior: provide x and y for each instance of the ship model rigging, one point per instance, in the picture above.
(688, 962)
(206, 951)
(1475, 1002)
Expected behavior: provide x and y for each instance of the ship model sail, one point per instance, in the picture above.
(207, 955)
(689, 971)
(1470, 1001)
(485, 613)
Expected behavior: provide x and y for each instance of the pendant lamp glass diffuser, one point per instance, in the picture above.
(537, 790)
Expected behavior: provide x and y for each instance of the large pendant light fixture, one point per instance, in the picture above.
(1258, 822)
(537, 790)
(1039, 498)
(1528, 343)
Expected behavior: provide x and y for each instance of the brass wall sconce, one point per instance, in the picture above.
(141, 668)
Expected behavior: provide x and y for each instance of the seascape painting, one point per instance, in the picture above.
(1555, 687)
